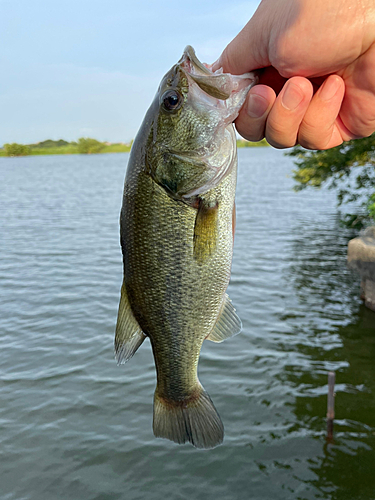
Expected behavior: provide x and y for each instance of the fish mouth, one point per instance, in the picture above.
(216, 84)
(190, 62)
(214, 99)
(220, 97)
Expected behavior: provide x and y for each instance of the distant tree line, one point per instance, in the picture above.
(84, 145)
(241, 143)
(15, 149)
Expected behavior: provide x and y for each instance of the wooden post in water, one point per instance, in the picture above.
(330, 405)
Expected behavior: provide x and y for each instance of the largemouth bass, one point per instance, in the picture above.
(177, 225)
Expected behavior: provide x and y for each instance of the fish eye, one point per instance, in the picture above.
(171, 100)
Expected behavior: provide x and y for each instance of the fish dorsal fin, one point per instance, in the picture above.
(227, 324)
(129, 335)
(205, 231)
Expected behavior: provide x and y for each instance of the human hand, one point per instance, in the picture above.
(317, 87)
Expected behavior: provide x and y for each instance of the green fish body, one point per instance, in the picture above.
(177, 226)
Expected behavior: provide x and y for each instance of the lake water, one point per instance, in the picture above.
(74, 425)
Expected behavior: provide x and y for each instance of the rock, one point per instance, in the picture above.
(361, 257)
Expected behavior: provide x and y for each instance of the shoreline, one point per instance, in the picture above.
(73, 149)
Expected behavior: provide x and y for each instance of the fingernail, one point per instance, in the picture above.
(328, 89)
(292, 96)
(257, 105)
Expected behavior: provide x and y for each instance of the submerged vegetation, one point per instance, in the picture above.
(84, 145)
(61, 147)
(350, 168)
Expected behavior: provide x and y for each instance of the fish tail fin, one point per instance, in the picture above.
(194, 419)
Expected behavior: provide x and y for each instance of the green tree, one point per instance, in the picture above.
(15, 149)
(49, 143)
(349, 168)
(89, 146)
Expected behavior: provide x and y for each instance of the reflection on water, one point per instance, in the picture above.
(338, 336)
(345, 468)
(74, 425)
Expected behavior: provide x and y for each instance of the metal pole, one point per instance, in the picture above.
(330, 405)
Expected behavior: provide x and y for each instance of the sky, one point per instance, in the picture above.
(88, 68)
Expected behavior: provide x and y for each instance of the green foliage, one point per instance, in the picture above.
(339, 168)
(61, 147)
(241, 143)
(49, 143)
(15, 149)
(89, 146)
(48, 147)
(69, 149)
(371, 206)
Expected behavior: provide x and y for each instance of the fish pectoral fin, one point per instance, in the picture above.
(227, 324)
(205, 231)
(129, 335)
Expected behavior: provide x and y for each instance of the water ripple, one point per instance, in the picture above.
(75, 425)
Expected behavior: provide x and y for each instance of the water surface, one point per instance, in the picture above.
(74, 425)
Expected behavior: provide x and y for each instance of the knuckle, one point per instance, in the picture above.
(311, 138)
(308, 144)
(281, 57)
(280, 145)
(317, 128)
(278, 138)
(315, 142)
(329, 139)
(358, 116)
(364, 127)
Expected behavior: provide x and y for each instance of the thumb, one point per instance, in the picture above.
(248, 50)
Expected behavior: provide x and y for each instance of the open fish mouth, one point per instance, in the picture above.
(190, 62)
(219, 96)
(198, 107)
(219, 85)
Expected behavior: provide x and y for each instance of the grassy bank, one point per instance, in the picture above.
(85, 146)
(241, 143)
(61, 147)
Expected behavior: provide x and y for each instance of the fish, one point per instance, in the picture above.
(176, 232)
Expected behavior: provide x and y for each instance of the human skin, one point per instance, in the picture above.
(317, 85)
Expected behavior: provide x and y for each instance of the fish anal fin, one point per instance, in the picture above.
(129, 335)
(205, 231)
(227, 324)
